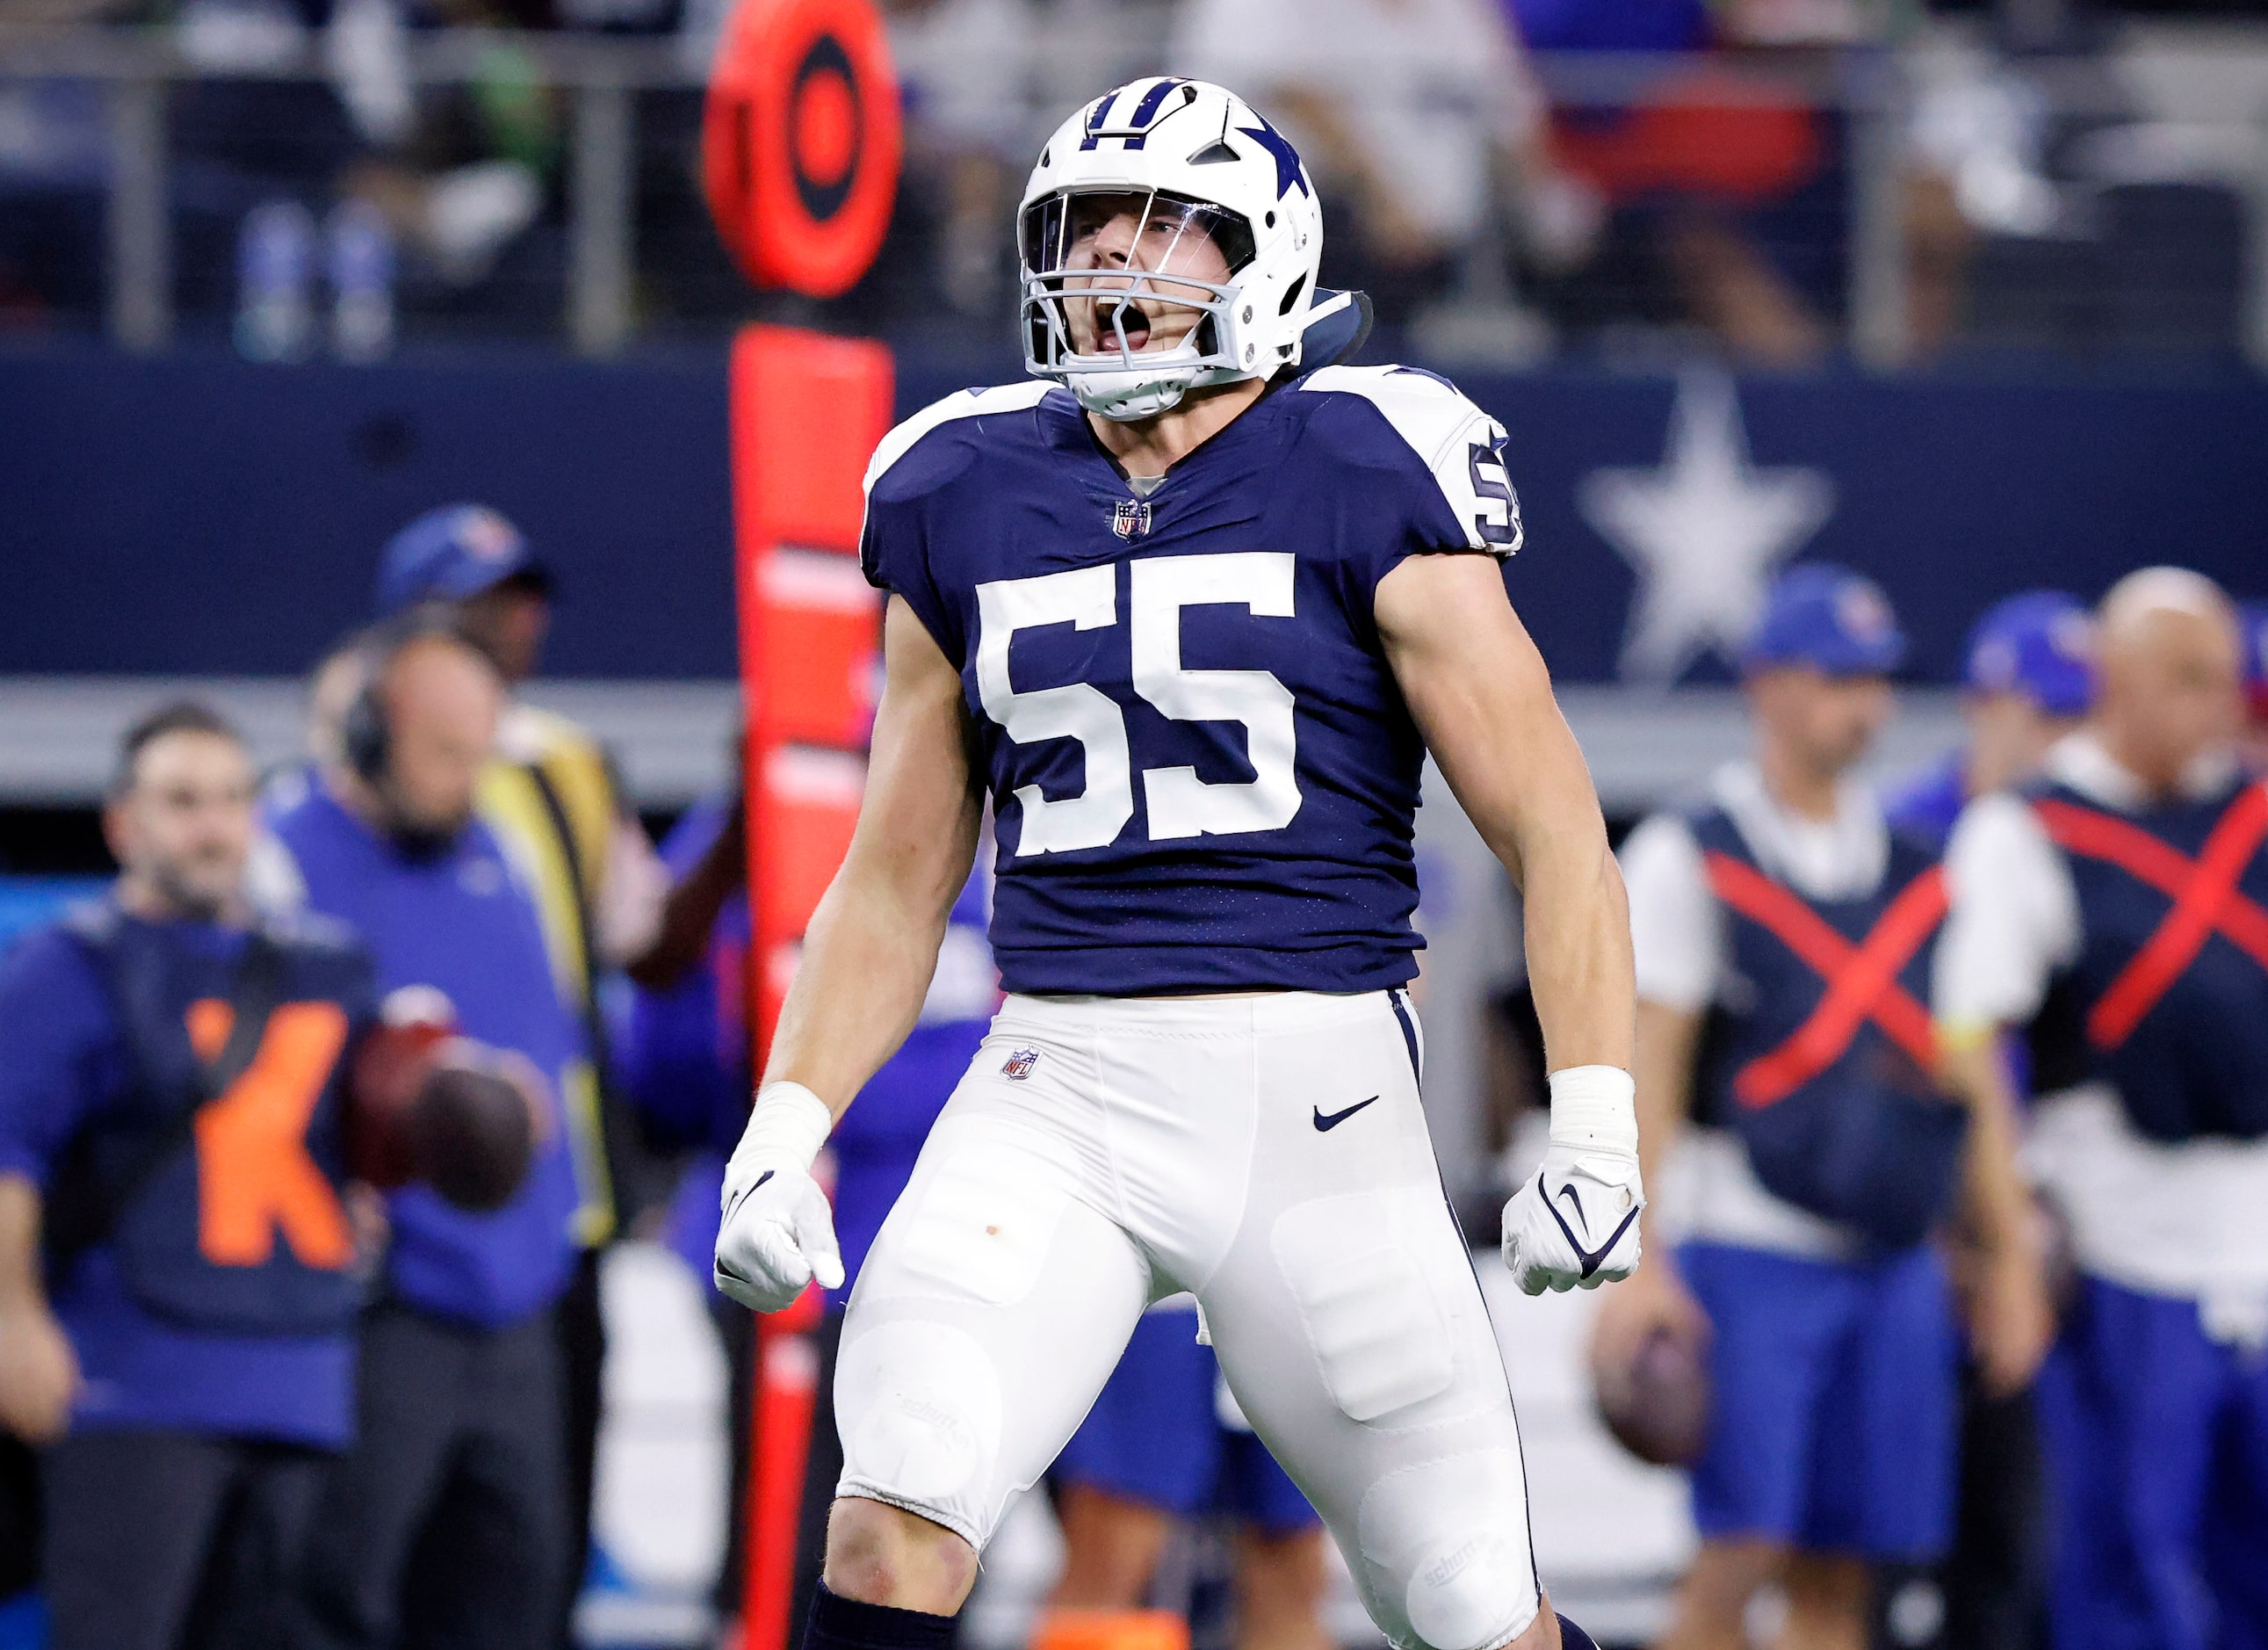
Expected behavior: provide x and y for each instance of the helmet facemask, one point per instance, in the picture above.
(1130, 296)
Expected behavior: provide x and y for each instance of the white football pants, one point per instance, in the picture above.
(1266, 1154)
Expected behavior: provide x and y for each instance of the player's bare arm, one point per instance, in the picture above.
(867, 958)
(872, 944)
(1482, 697)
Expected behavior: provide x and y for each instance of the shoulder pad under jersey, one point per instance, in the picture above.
(1460, 446)
(968, 403)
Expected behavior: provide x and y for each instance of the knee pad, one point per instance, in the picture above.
(1376, 1277)
(1446, 1543)
(919, 1405)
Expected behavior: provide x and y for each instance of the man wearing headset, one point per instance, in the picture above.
(450, 1510)
(607, 901)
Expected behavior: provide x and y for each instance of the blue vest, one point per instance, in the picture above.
(1839, 1118)
(2187, 1051)
(217, 1188)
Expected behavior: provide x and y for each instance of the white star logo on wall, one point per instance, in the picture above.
(1705, 531)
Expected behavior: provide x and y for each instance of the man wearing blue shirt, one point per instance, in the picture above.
(170, 1148)
(450, 1516)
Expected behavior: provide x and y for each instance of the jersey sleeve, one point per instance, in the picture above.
(59, 1054)
(1677, 928)
(1463, 496)
(2013, 921)
(894, 555)
(916, 463)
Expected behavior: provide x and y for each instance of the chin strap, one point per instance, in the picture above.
(1337, 326)
(1136, 398)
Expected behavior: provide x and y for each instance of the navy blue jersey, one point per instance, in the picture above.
(1203, 773)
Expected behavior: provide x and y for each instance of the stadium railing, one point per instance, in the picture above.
(2110, 200)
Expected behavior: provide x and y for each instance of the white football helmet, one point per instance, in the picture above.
(1126, 194)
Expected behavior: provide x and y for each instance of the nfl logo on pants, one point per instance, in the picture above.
(1020, 1065)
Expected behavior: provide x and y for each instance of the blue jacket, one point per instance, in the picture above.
(1926, 804)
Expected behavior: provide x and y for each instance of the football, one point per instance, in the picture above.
(1656, 1404)
(429, 1104)
(472, 1132)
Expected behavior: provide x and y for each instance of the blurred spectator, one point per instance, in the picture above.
(1824, 1157)
(1166, 1441)
(1724, 185)
(469, 170)
(964, 67)
(1411, 114)
(605, 900)
(171, 1162)
(2113, 914)
(447, 1523)
(687, 1063)
(2073, 184)
(2025, 680)
(55, 167)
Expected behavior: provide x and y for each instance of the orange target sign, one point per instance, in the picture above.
(801, 141)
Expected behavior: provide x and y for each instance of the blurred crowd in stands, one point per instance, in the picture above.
(1508, 178)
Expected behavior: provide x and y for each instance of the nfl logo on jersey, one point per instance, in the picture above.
(1132, 517)
(1020, 1065)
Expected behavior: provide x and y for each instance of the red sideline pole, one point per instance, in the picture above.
(785, 1391)
(806, 410)
(802, 95)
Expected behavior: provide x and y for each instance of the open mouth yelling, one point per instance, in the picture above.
(1127, 316)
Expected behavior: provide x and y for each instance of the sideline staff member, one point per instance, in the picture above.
(2116, 908)
(604, 899)
(1783, 915)
(169, 1112)
(449, 1517)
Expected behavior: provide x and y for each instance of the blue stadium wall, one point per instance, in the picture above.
(195, 515)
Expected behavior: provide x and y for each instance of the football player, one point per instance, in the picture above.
(1191, 609)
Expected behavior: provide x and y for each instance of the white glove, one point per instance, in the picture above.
(1575, 1226)
(777, 1236)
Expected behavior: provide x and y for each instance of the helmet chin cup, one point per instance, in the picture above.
(1125, 397)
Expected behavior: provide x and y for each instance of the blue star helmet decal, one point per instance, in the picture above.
(1287, 159)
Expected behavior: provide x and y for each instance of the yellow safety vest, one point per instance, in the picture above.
(550, 800)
